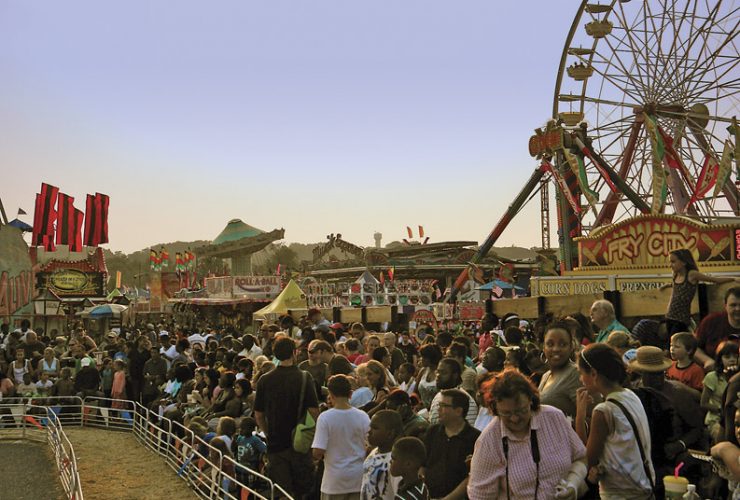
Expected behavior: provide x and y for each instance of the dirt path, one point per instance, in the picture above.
(31, 465)
(115, 465)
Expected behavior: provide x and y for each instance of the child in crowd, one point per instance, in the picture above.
(352, 347)
(118, 389)
(246, 369)
(218, 454)
(226, 429)
(248, 450)
(715, 384)
(683, 369)
(406, 378)
(44, 385)
(26, 388)
(106, 376)
(407, 457)
(386, 427)
(340, 442)
(65, 386)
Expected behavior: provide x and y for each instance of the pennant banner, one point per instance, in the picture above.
(563, 187)
(660, 184)
(707, 179)
(724, 169)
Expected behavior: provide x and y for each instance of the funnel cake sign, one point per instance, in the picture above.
(646, 241)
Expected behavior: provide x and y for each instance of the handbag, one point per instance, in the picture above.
(305, 429)
(639, 443)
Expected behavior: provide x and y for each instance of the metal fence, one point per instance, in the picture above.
(20, 418)
(210, 474)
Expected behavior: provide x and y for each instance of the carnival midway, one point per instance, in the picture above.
(601, 365)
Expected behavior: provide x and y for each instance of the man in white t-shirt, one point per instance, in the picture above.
(340, 442)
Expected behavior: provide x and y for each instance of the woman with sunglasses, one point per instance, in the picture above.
(528, 451)
(618, 440)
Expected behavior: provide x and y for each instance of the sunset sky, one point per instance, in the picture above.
(319, 116)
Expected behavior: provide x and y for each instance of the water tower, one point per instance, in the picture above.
(378, 237)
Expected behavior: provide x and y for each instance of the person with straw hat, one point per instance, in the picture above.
(651, 364)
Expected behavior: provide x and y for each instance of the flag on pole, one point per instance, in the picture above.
(391, 272)
(75, 242)
(118, 279)
(408, 230)
(498, 291)
(277, 271)
(153, 260)
(69, 223)
(382, 278)
(164, 257)
(421, 231)
(65, 214)
(44, 217)
(103, 201)
(96, 219)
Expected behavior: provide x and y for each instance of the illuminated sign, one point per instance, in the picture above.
(546, 141)
(646, 241)
(72, 283)
(256, 287)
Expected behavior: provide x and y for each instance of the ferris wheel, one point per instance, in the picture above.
(647, 92)
(644, 120)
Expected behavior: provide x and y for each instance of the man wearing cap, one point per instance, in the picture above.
(651, 364)
(315, 364)
(605, 319)
(716, 327)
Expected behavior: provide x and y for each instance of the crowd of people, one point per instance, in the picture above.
(574, 407)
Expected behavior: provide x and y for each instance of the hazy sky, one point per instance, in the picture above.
(318, 116)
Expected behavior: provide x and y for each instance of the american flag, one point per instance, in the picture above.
(498, 291)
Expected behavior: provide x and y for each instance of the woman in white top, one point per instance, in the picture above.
(430, 356)
(49, 364)
(614, 453)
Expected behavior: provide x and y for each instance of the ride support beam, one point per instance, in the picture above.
(609, 208)
(618, 181)
(502, 224)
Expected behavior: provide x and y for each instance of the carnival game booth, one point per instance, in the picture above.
(228, 299)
